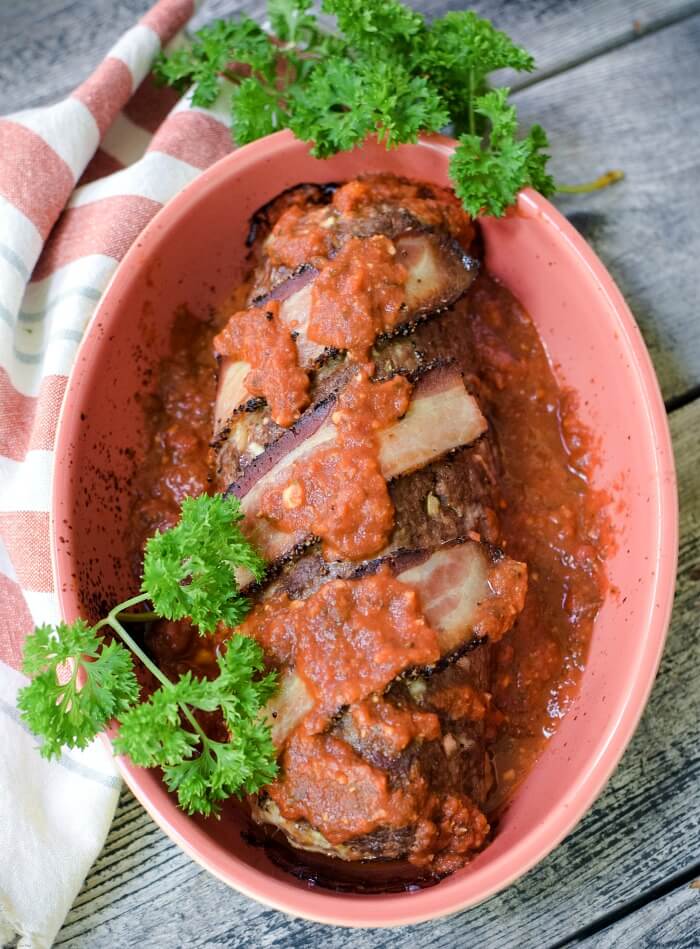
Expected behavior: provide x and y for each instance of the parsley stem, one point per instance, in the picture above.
(231, 76)
(470, 93)
(609, 178)
(146, 617)
(111, 620)
(194, 723)
(68, 693)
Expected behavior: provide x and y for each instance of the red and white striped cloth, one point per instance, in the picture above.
(78, 182)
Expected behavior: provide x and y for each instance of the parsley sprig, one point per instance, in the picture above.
(386, 72)
(189, 572)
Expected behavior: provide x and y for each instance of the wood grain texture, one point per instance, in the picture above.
(637, 108)
(672, 921)
(644, 828)
(632, 102)
(561, 33)
(50, 46)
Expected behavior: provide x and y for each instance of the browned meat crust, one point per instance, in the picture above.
(453, 498)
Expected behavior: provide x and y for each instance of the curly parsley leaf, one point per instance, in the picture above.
(387, 73)
(343, 102)
(242, 689)
(461, 42)
(458, 53)
(376, 26)
(190, 570)
(215, 48)
(489, 172)
(222, 770)
(292, 23)
(53, 705)
(151, 733)
(256, 111)
(164, 731)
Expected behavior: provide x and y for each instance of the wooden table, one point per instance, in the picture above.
(618, 85)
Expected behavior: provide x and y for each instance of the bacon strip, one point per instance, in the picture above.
(469, 592)
(442, 416)
(438, 274)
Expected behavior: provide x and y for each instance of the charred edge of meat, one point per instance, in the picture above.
(258, 402)
(335, 381)
(315, 570)
(303, 275)
(316, 194)
(425, 672)
(335, 569)
(405, 558)
(425, 380)
(470, 262)
(252, 405)
(309, 423)
(293, 283)
(297, 280)
(478, 246)
(331, 873)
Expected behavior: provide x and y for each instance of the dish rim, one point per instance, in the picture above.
(540, 840)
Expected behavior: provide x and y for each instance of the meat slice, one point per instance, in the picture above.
(323, 219)
(373, 766)
(439, 272)
(468, 592)
(454, 766)
(444, 337)
(442, 416)
(421, 745)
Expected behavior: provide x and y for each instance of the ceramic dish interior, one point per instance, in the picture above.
(193, 253)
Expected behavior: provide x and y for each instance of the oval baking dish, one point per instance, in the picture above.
(192, 253)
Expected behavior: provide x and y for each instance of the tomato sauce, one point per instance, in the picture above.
(329, 785)
(394, 728)
(303, 235)
(430, 205)
(300, 237)
(179, 414)
(377, 618)
(550, 518)
(358, 295)
(340, 494)
(258, 337)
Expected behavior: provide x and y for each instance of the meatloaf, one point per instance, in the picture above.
(348, 423)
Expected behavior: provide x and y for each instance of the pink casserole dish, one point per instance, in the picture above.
(193, 253)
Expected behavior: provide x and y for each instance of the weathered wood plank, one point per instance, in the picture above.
(673, 921)
(644, 828)
(637, 109)
(634, 108)
(49, 46)
(560, 35)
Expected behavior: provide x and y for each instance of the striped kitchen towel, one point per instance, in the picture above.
(78, 182)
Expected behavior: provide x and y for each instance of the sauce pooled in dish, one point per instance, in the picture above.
(420, 486)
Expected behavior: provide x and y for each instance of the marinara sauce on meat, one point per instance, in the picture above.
(401, 752)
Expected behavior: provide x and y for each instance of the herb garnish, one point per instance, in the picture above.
(188, 572)
(386, 72)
